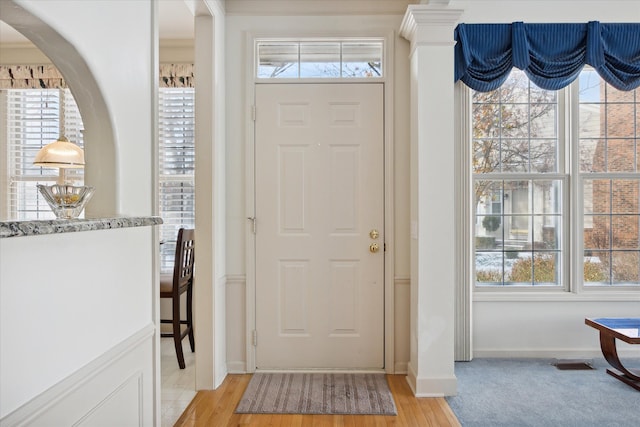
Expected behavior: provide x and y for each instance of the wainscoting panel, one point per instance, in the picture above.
(122, 407)
(116, 389)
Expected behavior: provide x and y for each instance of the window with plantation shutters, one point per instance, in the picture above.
(34, 118)
(176, 168)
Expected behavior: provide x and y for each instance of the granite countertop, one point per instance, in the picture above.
(57, 226)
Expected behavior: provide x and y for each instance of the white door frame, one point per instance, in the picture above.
(389, 219)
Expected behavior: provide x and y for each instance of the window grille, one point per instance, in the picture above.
(609, 170)
(526, 159)
(319, 59)
(518, 185)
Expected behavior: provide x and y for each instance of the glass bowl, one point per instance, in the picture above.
(66, 201)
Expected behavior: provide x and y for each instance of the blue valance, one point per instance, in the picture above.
(552, 55)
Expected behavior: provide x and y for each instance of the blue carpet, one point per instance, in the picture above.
(533, 392)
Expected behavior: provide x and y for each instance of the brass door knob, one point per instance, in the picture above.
(374, 247)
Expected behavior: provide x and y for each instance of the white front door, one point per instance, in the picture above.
(319, 208)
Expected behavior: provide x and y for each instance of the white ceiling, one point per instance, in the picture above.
(175, 22)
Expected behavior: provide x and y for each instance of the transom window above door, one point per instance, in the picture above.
(319, 59)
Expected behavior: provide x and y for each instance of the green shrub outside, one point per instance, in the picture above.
(489, 276)
(544, 271)
(491, 222)
(593, 272)
(485, 242)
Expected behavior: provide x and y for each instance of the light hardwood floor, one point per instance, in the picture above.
(216, 408)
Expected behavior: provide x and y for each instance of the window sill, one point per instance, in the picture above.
(621, 295)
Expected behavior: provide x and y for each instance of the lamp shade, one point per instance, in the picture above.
(60, 154)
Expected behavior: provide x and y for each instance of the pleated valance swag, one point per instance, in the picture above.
(552, 55)
(48, 76)
(31, 77)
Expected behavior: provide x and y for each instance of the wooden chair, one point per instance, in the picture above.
(174, 285)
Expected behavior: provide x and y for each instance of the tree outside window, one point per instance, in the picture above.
(515, 166)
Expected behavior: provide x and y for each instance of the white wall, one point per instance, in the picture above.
(70, 299)
(67, 299)
(540, 11)
(238, 90)
(220, 186)
(539, 325)
(486, 322)
(210, 286)
(546, 327)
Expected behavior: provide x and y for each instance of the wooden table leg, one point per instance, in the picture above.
(628, 376)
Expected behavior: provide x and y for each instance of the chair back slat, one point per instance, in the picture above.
(184, 260)
(181, 283)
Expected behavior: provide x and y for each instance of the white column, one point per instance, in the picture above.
(209, 290)
(433, 216)
(203, 298)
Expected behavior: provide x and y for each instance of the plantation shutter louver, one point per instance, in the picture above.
(176, 168)
(35, 118)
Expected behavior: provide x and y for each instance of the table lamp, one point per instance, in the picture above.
(65, 199)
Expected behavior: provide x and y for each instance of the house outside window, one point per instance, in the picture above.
(609, 179)
(527, 158)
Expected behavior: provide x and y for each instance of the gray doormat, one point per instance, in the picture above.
(317, 393)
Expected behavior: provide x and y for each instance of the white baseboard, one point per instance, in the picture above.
(401, 368)
(238, 367)
(431, 386)
(548, 353)
(114, 389)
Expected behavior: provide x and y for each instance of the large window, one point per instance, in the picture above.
(528, 157)
(177, 166)
(34, 118)
(609, 182)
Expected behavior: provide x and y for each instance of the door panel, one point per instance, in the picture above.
(319, 193)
